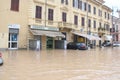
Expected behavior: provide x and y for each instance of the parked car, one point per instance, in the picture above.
(106, 44)
(116, 44)
(77, 45)
(1, 60)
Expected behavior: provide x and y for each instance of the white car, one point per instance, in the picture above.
(116, 44)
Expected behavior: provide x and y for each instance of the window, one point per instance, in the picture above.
(100, 25)
(15, 5)
(85, 6)
(108, 16)
(75, 3)
(100, 13)
(64, 2)
(94, 10)
(89, 22)
(80, 4)
(64, 17)
(76, 20)
(83, 21)
(50, 14)
(104, 26)
(105, 15)
(89, 8)
(38, 12)
(108, 27)
(94, 24)
(116, 28)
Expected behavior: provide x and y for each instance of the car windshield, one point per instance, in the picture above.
(81, 44)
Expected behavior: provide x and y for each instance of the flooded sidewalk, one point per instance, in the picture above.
(93, 64)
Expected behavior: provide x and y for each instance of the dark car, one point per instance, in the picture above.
(1, 60)
(106, 44)
(116, 44)
(77, 45)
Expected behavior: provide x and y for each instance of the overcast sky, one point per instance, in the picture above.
(115, 4)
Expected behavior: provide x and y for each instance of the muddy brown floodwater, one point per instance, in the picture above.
(93, 64)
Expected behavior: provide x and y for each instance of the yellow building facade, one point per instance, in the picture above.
(27, 23)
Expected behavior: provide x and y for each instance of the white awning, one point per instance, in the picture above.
(90, 37)
(108, 37)
(47, 33)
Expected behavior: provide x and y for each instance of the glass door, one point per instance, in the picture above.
(13, 41)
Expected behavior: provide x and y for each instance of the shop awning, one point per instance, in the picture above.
(97, 38)
(90, 37)
(108, 37)
(48, 33)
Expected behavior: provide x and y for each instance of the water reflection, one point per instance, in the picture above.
(93, 64)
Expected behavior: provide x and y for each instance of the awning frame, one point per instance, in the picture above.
(90, 37)
(47, 33)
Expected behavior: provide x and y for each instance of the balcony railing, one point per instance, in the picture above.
(51, 0)
(38, 20)
(101, 29)
(61, 24)
(42, 22)
(67, 25)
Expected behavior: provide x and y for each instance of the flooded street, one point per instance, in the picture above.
(93, 64)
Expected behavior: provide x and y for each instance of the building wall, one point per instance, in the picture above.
(26, 17)
(9, 17)
(116, 29)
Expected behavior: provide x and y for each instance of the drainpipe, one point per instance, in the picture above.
(45, 11)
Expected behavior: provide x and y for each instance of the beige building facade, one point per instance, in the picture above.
(45, 24)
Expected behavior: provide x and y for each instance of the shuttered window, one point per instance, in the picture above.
(15, 5)
(64, 17)
(50, 14)
(83, 21)
(75, 20)
(38, 12)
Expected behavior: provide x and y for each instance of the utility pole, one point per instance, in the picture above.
(112, 26)
(87, 20)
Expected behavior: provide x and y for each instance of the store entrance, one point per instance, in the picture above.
(13, 41)
(49, 42)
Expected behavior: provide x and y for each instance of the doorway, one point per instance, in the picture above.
(13, 41)
(49, 42)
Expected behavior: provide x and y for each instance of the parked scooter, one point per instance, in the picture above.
(1, 60)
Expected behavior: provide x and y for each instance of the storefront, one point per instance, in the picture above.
(46, 35)
(13, 36)
(85, 38)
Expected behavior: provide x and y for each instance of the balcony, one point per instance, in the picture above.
(51, 0)
(42, 22)
(101, 30)
(38, 20)
(67, 25)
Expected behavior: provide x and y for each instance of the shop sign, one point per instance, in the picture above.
(44, 28)
(16, 26)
